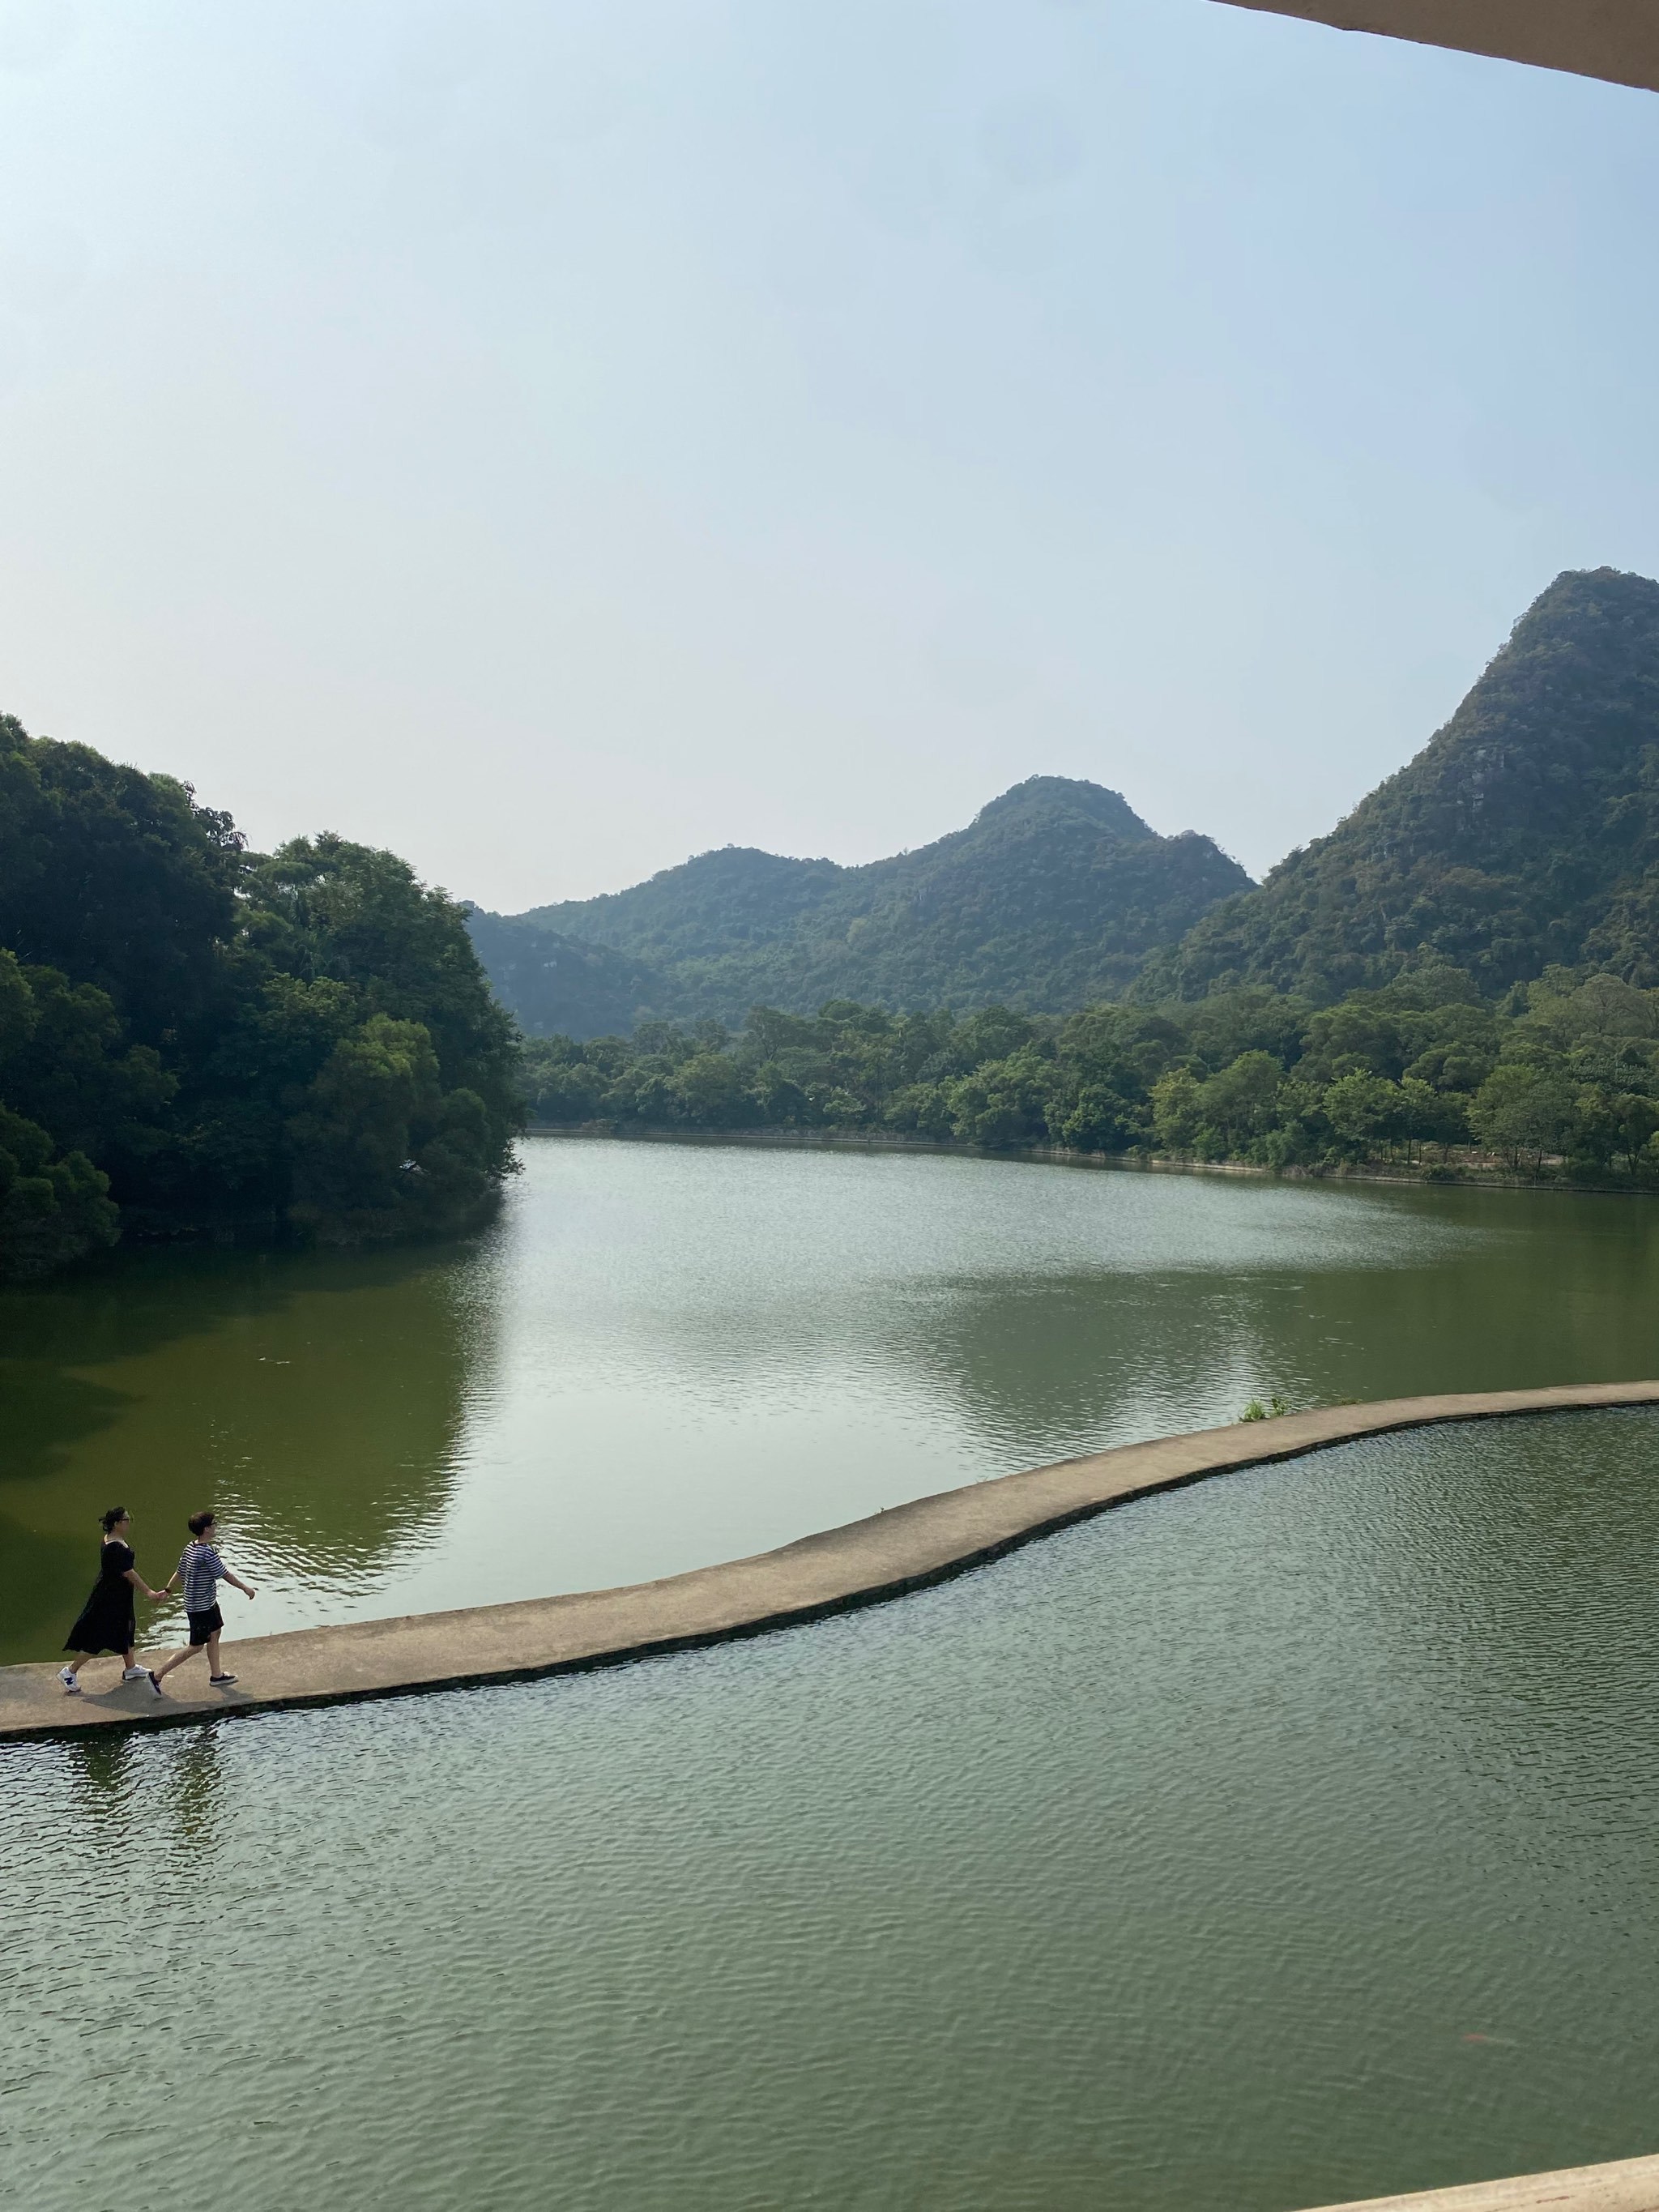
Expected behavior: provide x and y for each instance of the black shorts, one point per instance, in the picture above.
(203, 1625)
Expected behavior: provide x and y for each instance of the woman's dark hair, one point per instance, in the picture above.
(199, 1523)
(116, 1513)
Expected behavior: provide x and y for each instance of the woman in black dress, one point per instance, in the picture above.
(108, 1622)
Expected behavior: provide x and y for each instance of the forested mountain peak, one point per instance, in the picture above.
(732, 894)
(1525, 834)
(1108, 809)
(1055, 892)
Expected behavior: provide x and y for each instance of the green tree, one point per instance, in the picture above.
(1177, 1110)
(1239, 1104)
(357, 1137)
(709, 1092)
(1364, 1111)
(52, 1209)
(560, 1083)
(1004, 1101)
(780, 1101)
(1609, 1126)
(187, 1020)
(1101, 1120)
(837, 1108)
(923, 1110)
(323, 907)
(1426, 1113)
(1520, 1110)
(119, 880)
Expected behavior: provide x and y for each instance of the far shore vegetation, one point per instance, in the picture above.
(1559, 1081)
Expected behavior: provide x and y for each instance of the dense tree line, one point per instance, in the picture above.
(194, 1036)
(1421, 1074)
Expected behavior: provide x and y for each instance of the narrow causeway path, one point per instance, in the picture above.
(1631, 2185)
(861, 1563)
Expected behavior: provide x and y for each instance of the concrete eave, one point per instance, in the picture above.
(1617, 41)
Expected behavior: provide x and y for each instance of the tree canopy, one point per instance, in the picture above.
(1419, 1073)
(194, 1036)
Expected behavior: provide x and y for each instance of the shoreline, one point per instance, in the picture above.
(894, 1140)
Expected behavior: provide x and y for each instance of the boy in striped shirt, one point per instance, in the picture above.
(201, 1570)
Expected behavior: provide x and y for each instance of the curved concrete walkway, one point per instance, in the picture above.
(861, 1563)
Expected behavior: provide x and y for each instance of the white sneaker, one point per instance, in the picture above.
(134, 1674)
(66, 1676)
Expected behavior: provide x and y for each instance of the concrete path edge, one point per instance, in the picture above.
(1631, 2185)
(866, 1562)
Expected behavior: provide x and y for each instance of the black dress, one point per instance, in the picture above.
(108, 1619)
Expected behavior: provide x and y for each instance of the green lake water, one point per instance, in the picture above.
(1281, 1840)
(663, 1356)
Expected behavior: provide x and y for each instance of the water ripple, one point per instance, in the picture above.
(1278, 1841)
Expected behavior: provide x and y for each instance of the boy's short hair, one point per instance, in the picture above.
(199, 1523)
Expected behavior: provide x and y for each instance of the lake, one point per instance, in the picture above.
(666, 1355)
(1277, 1841)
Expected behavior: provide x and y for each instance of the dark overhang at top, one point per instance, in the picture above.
(1617, 39)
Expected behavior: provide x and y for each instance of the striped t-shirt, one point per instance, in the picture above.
(202, 1570)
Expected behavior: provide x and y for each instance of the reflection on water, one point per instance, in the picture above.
(316, 1402)
(1280, 1841)
(663, 1356)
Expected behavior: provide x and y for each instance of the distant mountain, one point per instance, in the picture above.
(1526, 832)
(556, 983)
(719, 902)
(1052, 896)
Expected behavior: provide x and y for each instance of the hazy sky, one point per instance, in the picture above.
(551, 437)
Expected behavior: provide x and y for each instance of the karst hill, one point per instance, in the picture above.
(1525, 833)
(1054, 894)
